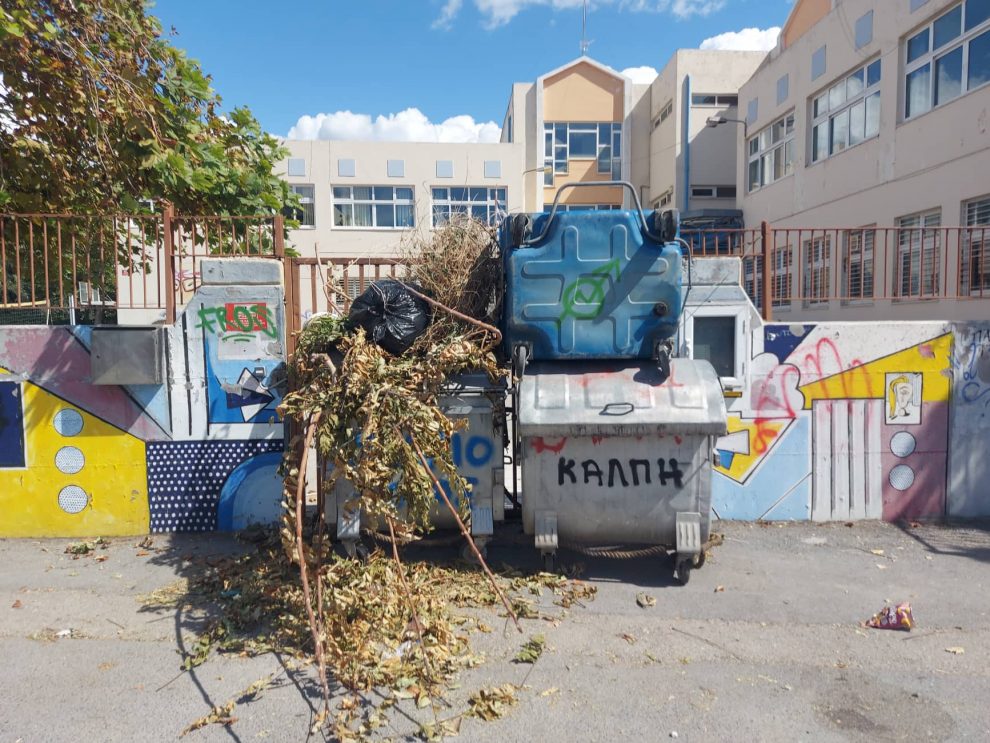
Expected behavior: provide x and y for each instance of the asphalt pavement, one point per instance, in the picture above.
(764, 644)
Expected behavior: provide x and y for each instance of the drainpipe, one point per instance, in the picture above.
(686, 148)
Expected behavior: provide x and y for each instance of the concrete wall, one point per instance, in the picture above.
(969, 460)
(197, 452)
(420, 172)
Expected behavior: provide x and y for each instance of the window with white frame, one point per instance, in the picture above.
(713, 192)
(976, 247)
(781, 277)
(919, 249)
(816, 270)
(665, 198)
(847, 113)
(479, 202)
(858, 264)
(563, 141)
(722, 100)
(665, 113)
(771, 153)
(305, 215)
(948, 57)
(382, 207)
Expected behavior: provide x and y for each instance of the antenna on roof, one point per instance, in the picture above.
(584, 30)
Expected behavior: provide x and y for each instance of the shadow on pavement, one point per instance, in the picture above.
(970, 539)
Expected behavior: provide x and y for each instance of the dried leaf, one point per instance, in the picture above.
(644, 599)
(531, 650)
(17, 604)
(628, 638)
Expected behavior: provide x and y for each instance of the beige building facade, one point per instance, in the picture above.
(872, 115)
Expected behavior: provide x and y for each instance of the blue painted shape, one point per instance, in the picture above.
(725, 458)
(589, 288)
(781, 340)
(787, 467)
(223, 408)
(252, 494)
(11, 425)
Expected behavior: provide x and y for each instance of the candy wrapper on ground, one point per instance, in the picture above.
(893, 617)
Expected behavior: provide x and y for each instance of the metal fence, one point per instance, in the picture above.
(91, 268)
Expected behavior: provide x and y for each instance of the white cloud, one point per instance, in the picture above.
(447, 14)
(499, 12)
(640, 75)
(748, 39)
(410, 125)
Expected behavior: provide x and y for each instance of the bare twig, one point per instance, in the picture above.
(459, 315)
(466, 533)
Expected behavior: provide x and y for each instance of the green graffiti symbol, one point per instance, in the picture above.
(583, 299)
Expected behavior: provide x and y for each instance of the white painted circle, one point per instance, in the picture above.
(68, 422)
(72, 499)
(903, 444)
(69, 460)
(901, 477)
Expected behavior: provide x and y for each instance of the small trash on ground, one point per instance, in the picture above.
(17, 604)
(893, 617)
(719, 589)
(63, 633)
(955, 650)
(645, 599)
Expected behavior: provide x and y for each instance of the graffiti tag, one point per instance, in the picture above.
(584, 298)
(238, 323)
(639, 471)
(973, 363)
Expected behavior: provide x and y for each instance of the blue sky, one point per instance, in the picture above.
(444, 58)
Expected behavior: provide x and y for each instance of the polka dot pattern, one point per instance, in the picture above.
(72, 499)
(185, 479)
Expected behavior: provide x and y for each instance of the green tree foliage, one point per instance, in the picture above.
(99, 112)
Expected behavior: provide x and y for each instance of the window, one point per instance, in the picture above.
(783, 88)
(709, 99)
(297, 166)
(948, 57)
(857, 264)
(345, 168)
(847, 113)
(771, 153)
(581, 207)
(305, 215)
(864, 29)
(919, 247)
(445, 168)
(782, 276)
(975, 247)
(385, 207)
(817, 270)
(713, 192)
(563, 141)
(395, 168)
(480, 202)
(665, 198)
(717, 335)
(493, 168)
(818, 63)
(665, 113)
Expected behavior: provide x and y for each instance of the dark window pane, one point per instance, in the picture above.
(703, 100)
(458, 194)
(440, 194)
(918, 91)
(341, 192)
(948, 76)
(977, 11)
(560, 166)
(560, 132)
(440, 214)
(583, 144)
(404, 215)
(946, 28)
(500, 194)
(715, 341)
(979, 61)
(604, 159)
(343, 215)
(917, 46)
(480, 212)
(383, 193)
(479, 194)
(873, 73)
(362, 193)
(404, 193)
(308, 215)
(604, 133)
(384, 215)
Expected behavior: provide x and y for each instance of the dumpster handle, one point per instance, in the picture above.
(628, 407)
(586, 184)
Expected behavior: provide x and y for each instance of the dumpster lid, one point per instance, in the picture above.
(616, 399)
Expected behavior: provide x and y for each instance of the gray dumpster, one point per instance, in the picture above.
(612, 452)
(478, 454)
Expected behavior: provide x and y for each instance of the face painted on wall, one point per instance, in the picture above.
(902, 398)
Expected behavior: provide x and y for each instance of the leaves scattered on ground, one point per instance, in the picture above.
(221, 715)
(79, 549)
(492, 702)
(531, 650)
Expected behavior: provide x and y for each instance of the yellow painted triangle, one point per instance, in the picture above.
(869, 381)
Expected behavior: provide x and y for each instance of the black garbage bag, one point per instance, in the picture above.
(391, 315)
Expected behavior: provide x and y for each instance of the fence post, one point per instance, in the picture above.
(168, 214)
(767, 265)
(279, 236)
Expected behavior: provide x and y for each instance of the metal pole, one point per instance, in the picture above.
(169, 249)
(767, 264)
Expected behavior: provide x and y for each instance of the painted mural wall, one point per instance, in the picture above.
(969, 471)
(198, 452)
(840, 421)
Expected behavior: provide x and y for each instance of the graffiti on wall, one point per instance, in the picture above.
(839, 422)
(78, 459)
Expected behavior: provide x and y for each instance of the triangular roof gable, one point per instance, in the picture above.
(584, 60)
